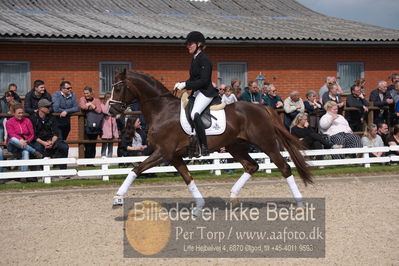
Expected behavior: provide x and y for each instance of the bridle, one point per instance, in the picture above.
(111, 100)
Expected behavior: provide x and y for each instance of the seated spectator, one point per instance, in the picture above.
(381, 98)
(236, 86)
(110, 127)
(92, 108)
(333, 95)
(372, 139)
(47, 140)
(12, 87)
(394, 79)
(324, 88)
(394, 92)
(293, 105)
(312, 140)
(270, 98)
(314, 108)
(251, 93)
(34, 96)
(383, 132)
(356, 99)
(133, 140)
(135, 106)
(20, 134)
(65, 103)
(393, 139)
(336, 126)
(1, 158)
(228, 96)
(5, 103)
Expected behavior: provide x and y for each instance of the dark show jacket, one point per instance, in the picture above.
(201, 76)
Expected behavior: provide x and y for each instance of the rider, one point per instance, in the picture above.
(200, 83)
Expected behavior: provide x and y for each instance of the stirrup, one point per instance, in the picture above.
(117, 201)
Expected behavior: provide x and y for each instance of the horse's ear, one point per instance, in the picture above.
(123, 74)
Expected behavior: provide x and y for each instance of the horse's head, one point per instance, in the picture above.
(122, 94)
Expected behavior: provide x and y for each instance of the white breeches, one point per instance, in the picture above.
(200, 103)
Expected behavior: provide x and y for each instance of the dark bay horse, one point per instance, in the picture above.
(247, 124)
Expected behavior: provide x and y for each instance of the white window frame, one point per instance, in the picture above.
(347, 90)
(102, 90)
(243, 82)
(22, 89)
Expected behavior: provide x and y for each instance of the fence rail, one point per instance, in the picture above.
(217, 163)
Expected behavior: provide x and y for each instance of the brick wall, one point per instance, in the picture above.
(289, 68)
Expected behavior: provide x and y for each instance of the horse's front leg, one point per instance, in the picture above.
(154, 159)
(181, 167)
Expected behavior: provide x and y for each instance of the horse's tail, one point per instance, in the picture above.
(292, 145)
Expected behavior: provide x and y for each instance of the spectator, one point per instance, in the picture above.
(314, 108)
(13, 87)
(20, 134)
(133, 140)
(136, 107)
(336, 126)
(312, 140)
(356, 99)
(228, 96)
(110, 128)
(381, 98)
(333, 95)
(383, 132)
(37, 93)
(324, 88)
(1, 158)
(5, 103)
(236, 85)
(271, 98)
(394, 79)
(47, 140)
(92, 108)
(394, 92)
(65, 103)
(393, 139)
(293, 105)
(222, 89)
(251, 93)
(372, 139)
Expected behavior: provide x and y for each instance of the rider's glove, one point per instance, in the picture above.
(180, 86)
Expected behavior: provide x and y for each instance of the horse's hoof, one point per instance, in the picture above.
(117, 201)
(300, 207)
(197, 212)
(234, 203)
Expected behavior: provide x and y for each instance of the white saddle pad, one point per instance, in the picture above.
(218, 126)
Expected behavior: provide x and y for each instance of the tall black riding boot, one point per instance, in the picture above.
(200, 131)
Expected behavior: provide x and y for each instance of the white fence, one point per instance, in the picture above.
(217, 162)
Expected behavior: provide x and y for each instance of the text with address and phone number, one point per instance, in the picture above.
(253, 228)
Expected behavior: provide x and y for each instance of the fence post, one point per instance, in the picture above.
(267, 161)
(105, 167)
(217, 162)
(81, 134)
(46, 179)
(366, 156)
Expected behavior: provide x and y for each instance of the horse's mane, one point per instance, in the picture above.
(150, 79)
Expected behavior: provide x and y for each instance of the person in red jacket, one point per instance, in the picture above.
(19, 135)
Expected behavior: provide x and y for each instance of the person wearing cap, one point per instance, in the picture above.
(47, 135)
(200, 83)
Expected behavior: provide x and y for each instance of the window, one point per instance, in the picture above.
(107, 74)
(15, 72)
(348, 73)
(232, 70)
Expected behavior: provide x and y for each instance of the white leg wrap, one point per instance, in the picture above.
(199, 200)
(235, 190)
(126, 184)
(294, 188)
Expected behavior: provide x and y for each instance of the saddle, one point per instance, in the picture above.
(206, 116)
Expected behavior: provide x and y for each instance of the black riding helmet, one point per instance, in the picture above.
(195, 36)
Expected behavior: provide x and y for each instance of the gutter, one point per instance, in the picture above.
(181, 41)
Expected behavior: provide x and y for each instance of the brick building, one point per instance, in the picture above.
(83, 42)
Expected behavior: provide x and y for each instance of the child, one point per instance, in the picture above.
(228, 96)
